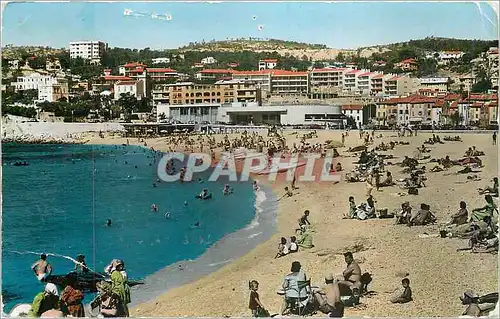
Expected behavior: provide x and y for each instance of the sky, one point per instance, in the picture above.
(342, 25)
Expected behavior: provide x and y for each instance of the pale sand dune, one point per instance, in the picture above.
(438, 274)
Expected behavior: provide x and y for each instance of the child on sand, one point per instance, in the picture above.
(282, 248)
(352, 209)
(405, 295)
(258, 309)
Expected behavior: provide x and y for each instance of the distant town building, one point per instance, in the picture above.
(289, 83)
(261, 78)
(215, 74)
(208, 60)
(446, 56)
(160, 60)
(53, 92)
(356, 112)
(440, 83)
(492, 57)
(33, 81)
(268, 64)
(233, 64)
(191, 93)
(52, 65)
(407, 65)
(14, 64)
(161, 74)
(88, 50)
(326, 82)
(133, 87)
(398, 86)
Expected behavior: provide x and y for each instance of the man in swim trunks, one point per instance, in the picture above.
(352, 273)
(42, 268)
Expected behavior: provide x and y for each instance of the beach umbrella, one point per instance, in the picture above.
(163, 131)
(177, 130)
(150, 130)
(137, 130)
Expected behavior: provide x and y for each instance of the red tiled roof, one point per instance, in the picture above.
(252, 72)
(136, 71)
(477, 104)
(439, 103)
(454, 105)
(161, 70)
(365, 74)
(216, 71)
(270, 60)
(393, 78)
(493, 103)
(325, 70)
(452, 96)
(352, 107)
(353, 71)
(107, 70)
(233, 64)
(287, 73)
(410, 60)
(116, 78)
(134, 65)
(378, 76)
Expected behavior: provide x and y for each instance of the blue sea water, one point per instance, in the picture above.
(60, 202)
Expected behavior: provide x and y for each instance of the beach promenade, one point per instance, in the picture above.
(438, 273)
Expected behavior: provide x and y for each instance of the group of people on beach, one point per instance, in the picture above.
(112, 287)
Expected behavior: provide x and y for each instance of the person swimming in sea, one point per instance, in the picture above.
(204, 194)
(227, 190)
(108, 222)
(185, 203)
(167, 215)
(154, 208)
(255, 186)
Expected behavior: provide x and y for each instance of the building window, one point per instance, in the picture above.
(184, 111)
(204, 110)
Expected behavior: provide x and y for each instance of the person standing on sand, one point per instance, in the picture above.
(42, 268)
(258, 309)
(495, 138)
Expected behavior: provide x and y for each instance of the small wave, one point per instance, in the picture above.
(221, 263)
(254, 235)
(260, 198)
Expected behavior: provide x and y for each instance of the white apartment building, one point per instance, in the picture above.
(398, 86)
(268, 64)
(433, 83)
(88, 50)
(326, 81)
(209, 60)
(377, 84)
(289, 82)
(261, 78)
(492, 56)
(135, 88)
(33, 81)
(350, 80)
(364, 85)
(160, 60)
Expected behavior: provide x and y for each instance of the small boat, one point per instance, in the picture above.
(85, 281)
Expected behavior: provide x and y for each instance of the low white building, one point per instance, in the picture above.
(447, 56)
(14, 64)
(209, 60)
(186, 113)
(356, 112)
(160, 60)
(135, 88)
(53, 65)
(268, 64)
(32, 81)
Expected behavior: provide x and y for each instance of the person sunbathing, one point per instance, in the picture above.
(422, 217)
(493, 191)
(461, 217)
(404, 215)
(328, 298)
(352, 209)
(436, 169)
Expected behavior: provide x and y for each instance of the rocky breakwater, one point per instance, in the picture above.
(21, 130)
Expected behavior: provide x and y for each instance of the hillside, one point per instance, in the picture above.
(22, 52)
(250, 44)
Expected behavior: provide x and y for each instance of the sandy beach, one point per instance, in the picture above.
(438, 273)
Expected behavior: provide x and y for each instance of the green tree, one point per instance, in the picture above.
(340, 57)
(128, 103)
